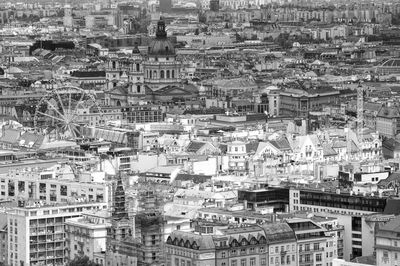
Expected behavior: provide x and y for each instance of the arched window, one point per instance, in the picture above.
(173, 73)
(155, 74)
(162, 74)
(138, 88)
(151, 76)
(137, 67)
(167, 74)
(114, 64)
(166, 49)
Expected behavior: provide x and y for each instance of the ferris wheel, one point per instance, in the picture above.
(62, 113)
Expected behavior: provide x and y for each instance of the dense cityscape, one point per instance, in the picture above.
(200, 133)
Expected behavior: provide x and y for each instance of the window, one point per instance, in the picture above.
(223, 255)
(316, 246)
(233, 263)
(318, 257)
(263, 262)
(253, 262)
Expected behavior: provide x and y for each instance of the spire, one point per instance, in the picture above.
(161, 33)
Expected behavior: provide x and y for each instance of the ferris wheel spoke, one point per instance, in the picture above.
(54, 108)
(75, 129)
(61, 103)
(50, 116)
(69, 100)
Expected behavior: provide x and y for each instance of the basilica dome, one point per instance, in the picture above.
(161, 46)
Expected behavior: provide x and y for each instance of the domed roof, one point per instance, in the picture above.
(161, 45)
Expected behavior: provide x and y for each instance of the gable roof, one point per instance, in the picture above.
(388, 112)
(281, 143)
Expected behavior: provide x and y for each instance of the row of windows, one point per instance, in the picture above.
(163, 74)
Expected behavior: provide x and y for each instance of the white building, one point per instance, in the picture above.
(36, 234)
(87, 235)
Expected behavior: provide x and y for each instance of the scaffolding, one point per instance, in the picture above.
(137, 232)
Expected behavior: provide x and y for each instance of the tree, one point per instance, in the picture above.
(82, 261)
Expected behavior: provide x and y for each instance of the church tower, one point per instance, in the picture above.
(161, 68)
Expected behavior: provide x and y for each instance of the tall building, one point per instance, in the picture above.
(36, 234)
(161, 67)
(313, 243)
(87, 235)
(121, 245)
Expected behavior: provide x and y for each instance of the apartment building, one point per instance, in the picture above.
(319, 200)
(36, 234)
(87, 235)
(3, 239)
(311, 242)
(279, 243)
(282, 244)
(50, 187)
(387, 244)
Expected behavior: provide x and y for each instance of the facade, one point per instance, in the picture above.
(387, 244)
(277, 243)
(388, 122)
(3, 240)
(141, 114)
(161, 67)
(335, 202)
(86, 235)
(298, 103)
(44, 227)
(44, 186)
(277, 198)
(312, 242)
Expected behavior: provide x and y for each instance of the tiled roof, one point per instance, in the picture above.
(389, 112)
(195, 146)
